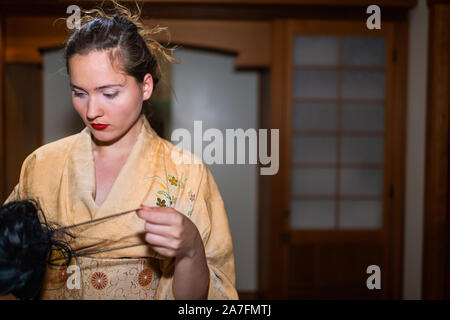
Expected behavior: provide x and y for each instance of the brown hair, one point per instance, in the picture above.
(124, 36)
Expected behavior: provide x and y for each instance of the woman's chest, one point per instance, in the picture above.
(106, 173)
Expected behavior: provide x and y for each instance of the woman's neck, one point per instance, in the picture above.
(121, 146)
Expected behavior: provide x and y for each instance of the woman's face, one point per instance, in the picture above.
(108, 101)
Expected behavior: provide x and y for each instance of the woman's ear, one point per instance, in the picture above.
(147, 87)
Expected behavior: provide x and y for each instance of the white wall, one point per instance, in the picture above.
(208, 88)
(415, 154)
(60, 118)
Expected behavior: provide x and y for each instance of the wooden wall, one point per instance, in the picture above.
(436, 250)
(22, 118)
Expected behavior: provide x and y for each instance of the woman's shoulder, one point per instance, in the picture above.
(182, 163)
(185, 166)
(181, 158)
(53, 150)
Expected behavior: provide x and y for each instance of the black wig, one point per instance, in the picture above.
(27, 242)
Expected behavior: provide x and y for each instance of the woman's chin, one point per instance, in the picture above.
(103, 137)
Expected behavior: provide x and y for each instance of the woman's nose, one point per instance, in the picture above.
(94, 110)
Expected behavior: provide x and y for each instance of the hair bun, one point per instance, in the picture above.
(125, 16)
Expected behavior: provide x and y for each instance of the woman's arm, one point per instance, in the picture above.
(191, 276)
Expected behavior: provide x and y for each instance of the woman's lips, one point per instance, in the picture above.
(98, 126)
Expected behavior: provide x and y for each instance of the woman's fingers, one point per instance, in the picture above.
(162, 244)
(168, 231)
(164, 251)
(162, 230)
(156, 215)
(161, 241)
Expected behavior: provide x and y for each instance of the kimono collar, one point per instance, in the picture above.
(128, 190)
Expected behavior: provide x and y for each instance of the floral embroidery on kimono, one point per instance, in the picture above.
(166, 197)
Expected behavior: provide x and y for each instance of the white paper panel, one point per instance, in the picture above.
(308, 181)
(314, 84)
(311, 214)
(361, 181)
(315, 50)
(362, 149)
(317, 149)
(360, 214)
(365, 117)
(363, 51)
(363, 84)
(313, 116)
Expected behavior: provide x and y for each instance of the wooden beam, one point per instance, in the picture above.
(436, 207)
(383, 3)
(334, 237)
(402, 3)
(228, 10)
(26, 35)
(398, 107)
(248, 40)
(275, 287)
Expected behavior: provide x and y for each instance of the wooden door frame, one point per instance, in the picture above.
(279, 184)
(436, 245)
(398, 155)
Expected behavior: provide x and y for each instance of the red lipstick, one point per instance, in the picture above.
(99, 126)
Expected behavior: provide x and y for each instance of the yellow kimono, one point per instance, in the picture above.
(61, 176)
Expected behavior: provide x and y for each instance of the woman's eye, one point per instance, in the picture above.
(77, 94)
(110, 95)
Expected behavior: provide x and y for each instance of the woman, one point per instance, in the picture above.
(178, 245)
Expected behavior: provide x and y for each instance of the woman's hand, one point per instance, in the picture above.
(171, 233)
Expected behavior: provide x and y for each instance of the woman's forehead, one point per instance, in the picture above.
(95, 69)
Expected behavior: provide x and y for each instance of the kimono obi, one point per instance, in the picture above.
(103, 279)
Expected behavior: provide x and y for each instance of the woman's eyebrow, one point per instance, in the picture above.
(98, 88)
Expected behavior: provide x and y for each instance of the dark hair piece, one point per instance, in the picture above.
(27, 245)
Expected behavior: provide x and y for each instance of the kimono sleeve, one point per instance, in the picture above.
(211, 220)
(26, 170)
(14, 195)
